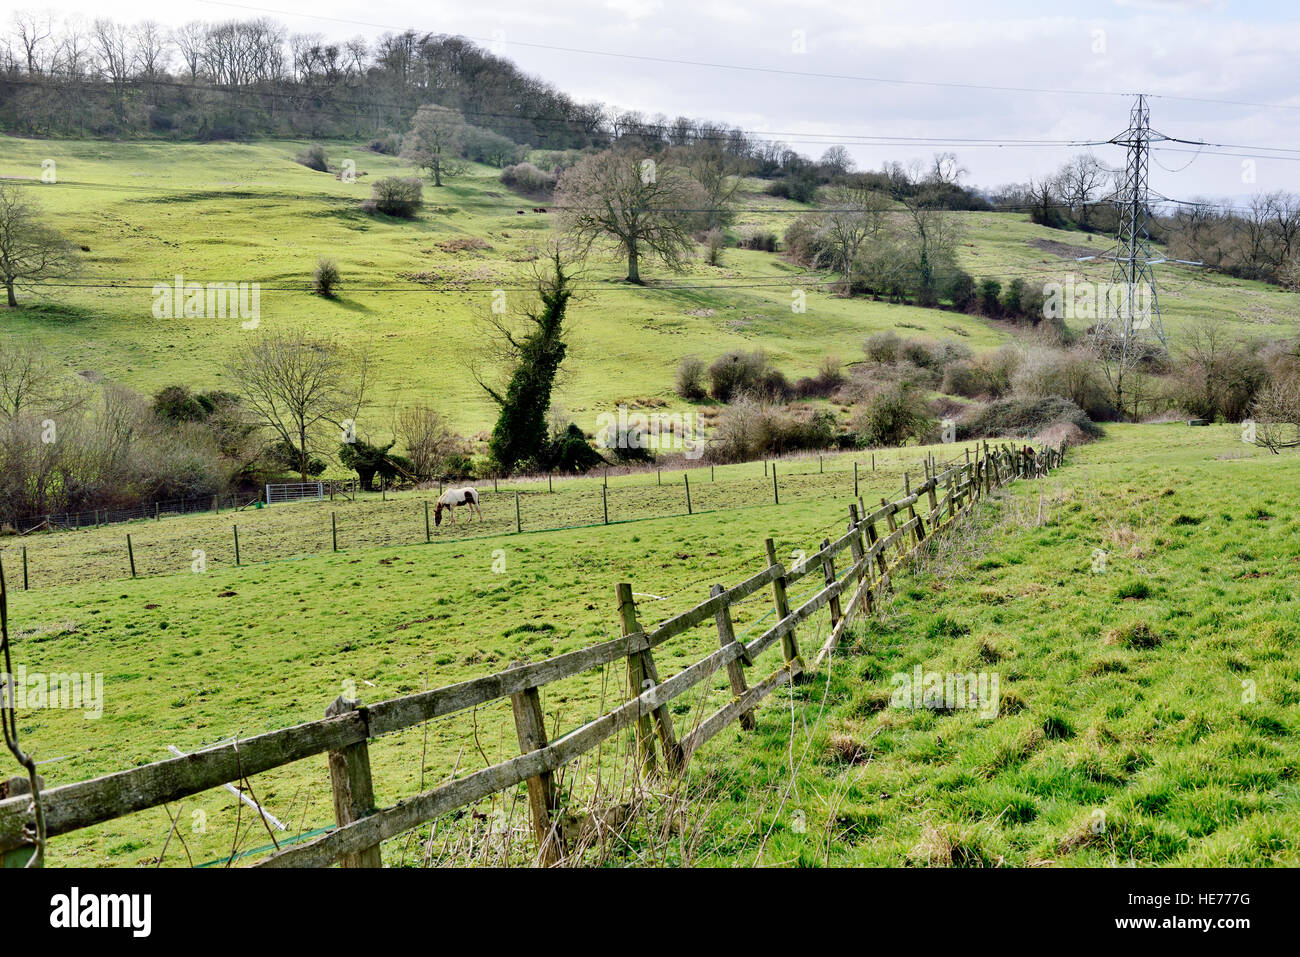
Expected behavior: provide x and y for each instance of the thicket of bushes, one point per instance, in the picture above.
(527, 179)
(1026, 418)
(400, 196)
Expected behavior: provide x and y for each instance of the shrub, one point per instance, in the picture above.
(988, 376)
(1013, 298)
(571, 452)
(1024, 418)
(827, 381)
(802, 240)
(400, 196)
(960, 290)
(528, 179)
(458, 466)
(966, 378)
(713, 246)
(801, 187)
(882, 346)
(932, 355)
(390, 144)
(1070, 375)
(896, 414)
(176, 403)
(990, 297)
(761, 240)
(313, 157)
(486, 146)
(751, 428)
(690, 378)
(737, 373)
(325, 280)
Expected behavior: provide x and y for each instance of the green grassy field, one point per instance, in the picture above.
(247, 212)
(1123, 694)
(286, 532)
(1149, 712)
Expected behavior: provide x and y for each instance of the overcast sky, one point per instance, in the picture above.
(1243, 51)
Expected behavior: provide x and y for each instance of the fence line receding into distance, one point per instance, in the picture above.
(878, 543)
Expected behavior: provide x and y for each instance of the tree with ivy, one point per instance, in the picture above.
(530, 352)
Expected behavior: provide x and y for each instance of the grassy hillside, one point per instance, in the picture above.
(1122, 693)
(247, 212)
(1149, 712)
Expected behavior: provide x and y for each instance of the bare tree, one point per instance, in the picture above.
(33, 30)
(855, 213)
(31, 382)
(303, 390)
(434, 142)
(428, 439)
(151, 51)
(110, 42)
(1080, 180)
(1276, 413)
(646, 207)
(190, 41)
(74, 50)
(836, 161)
(718, 173)
(932, 229)
(30, 251)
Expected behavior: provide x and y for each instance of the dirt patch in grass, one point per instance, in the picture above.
(1064, 250)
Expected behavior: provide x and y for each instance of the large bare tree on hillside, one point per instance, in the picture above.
(646, 206)
(434, 142)
(303, 390)
(30, 251)
(854, 214)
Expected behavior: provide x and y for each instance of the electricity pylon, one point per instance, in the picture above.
(1131, 311)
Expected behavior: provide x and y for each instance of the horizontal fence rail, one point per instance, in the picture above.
(875, 556)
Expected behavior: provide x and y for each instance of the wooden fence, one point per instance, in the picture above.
(878, 543)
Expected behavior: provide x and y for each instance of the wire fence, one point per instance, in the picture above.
(228, 533)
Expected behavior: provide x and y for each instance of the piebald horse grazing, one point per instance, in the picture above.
(453, 497)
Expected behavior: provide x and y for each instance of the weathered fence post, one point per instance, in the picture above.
(641, 676)
(781, 601)
(24, 568)
(130, 554)
(858, 550)
(604, 501)
(776, 492)
(918, 530)
(828, 566)
(519, 525)
(530, 727)
(354, 793)
(735, 669)
(881, 562)
(236, 529)
(687, 479)
(855, 479)
(334, 530)
(428, 532)
(19, 857)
